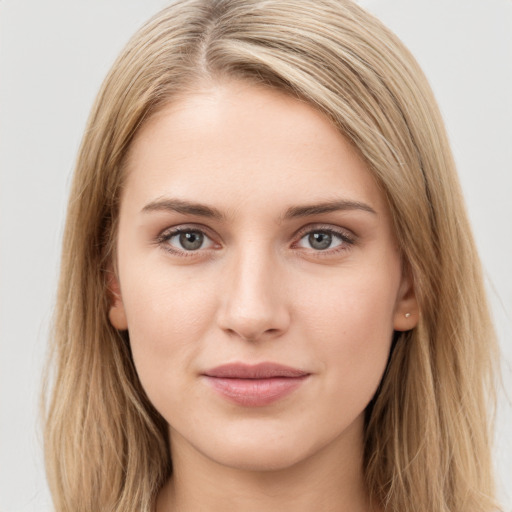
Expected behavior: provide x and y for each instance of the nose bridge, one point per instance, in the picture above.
(253, 302)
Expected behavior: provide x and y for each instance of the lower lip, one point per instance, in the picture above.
(255, 392)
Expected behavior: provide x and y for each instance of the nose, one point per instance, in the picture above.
(253, 302)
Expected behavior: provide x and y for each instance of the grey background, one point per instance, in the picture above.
(53, 57)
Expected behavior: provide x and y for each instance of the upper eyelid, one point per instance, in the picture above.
(344, 233)
(304, 229)
(172, 230)
(325, 227)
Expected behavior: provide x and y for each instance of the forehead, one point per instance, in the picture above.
(246, 145)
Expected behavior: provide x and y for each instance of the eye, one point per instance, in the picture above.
(324, 239)
(185, 240)
(319, 240)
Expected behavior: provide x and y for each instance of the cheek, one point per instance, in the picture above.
(160, 299)
(351, 325)
(168, 316)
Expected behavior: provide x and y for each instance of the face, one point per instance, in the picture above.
(258, 277)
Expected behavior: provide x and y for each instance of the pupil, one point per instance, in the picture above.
(191, 240)
(320, 240)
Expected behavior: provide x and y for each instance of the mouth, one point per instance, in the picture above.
(254, 385)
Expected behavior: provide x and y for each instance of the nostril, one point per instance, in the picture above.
(253, 335)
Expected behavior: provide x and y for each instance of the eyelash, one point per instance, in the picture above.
(346, 239)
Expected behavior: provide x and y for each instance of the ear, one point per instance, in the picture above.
(116, 314)
(406, 315)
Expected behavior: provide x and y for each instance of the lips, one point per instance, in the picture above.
(254, 385)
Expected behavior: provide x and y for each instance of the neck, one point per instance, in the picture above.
(330, 480)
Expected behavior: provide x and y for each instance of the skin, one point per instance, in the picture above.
(256, 290)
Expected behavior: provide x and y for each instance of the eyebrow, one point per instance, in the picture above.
(185, 207)
(327, 207)
(202, 210)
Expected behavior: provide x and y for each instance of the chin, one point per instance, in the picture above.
(265, 449)
(258, 458)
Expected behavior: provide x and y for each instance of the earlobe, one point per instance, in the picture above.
(406, 315)
(116, 314)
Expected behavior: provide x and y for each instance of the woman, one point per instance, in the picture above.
(269, 295)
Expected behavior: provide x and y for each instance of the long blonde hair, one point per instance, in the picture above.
(427, 436)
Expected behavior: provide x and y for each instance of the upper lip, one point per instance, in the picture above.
(258, 371)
